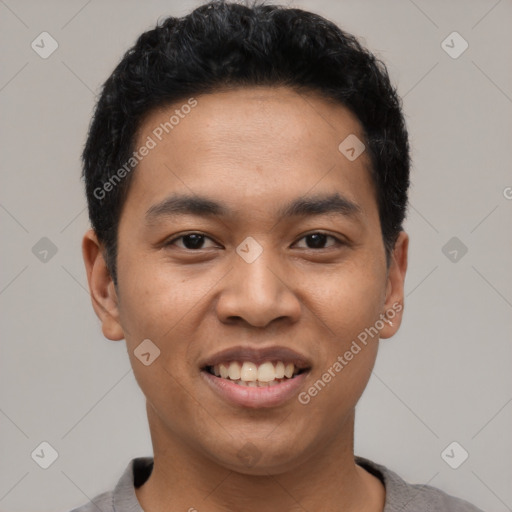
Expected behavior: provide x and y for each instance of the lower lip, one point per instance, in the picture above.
(254, 397)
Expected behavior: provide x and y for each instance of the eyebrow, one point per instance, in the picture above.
(177, 205)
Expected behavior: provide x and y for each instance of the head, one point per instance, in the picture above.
(231, 219)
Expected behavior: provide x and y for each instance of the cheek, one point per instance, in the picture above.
(154, 307)
(349, 302)
(350, 307)
(162, 305)
(155, 298)
(348, 299)
(332, 393)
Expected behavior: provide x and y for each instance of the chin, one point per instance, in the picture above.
(261, 456)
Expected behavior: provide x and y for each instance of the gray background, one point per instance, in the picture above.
(446, 375)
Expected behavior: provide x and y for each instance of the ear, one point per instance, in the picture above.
(394, 302)
(101, 287)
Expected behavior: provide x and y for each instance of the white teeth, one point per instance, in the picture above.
(279, 370)
(266, 372)
(234, 371)
(256, 383)
(249, 372)
(224, 371)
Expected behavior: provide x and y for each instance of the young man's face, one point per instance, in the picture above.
(256, 286)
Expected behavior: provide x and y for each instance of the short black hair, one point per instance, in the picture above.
(225, 45)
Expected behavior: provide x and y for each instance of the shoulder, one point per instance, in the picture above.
(102, 503)
(122, 498)
(434, 500)
(405, 497)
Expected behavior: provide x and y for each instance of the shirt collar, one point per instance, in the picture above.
(136, 473)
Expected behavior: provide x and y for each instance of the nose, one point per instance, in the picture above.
(257, 293)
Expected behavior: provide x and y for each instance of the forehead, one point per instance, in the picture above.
(255, 146)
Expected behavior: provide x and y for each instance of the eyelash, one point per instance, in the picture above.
(337, 240)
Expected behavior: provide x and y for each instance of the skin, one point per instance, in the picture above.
(253, 149)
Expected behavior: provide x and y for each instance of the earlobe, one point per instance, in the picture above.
(101, 287)
(394, 302)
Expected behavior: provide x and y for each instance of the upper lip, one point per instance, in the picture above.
(257, 355)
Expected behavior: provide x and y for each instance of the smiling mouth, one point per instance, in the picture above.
(247, 373)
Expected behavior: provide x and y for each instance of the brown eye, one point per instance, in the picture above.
(190, 241)
(318, 240)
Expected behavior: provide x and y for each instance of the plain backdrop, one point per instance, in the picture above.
(444, 377)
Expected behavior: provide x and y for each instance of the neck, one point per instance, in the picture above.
(186, 480)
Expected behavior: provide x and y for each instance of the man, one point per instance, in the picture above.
(247, 172)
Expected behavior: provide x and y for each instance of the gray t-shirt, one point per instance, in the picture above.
(400, 496)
